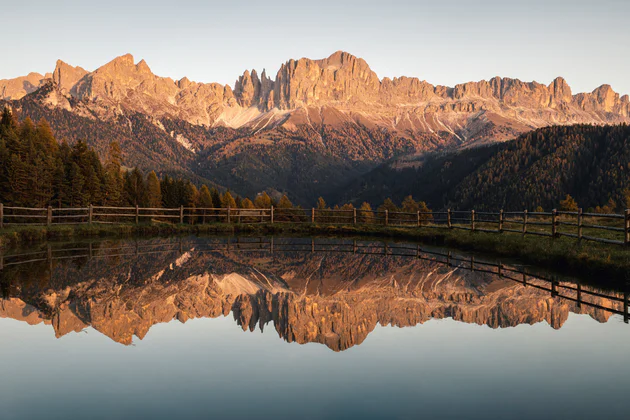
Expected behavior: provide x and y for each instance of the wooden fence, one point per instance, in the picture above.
(605, 228)
(557, 288)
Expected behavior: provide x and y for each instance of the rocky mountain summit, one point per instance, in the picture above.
(334, 116)
(336, 90)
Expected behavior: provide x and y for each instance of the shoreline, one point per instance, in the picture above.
(560, 254)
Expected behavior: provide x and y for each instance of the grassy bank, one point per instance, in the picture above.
(565, 254)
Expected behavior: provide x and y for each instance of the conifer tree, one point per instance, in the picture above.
(285, 203)
(205, 201)
(113, 176)
(153, 191)
(134, 188)
(262, 201)
(216, 198)
(365, 214)
(191, 200)
(568, 204)
(227, 200)
(409, 205)
(426, 215)
(205, 197)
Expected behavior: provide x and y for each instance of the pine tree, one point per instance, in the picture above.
(426, 215)
(216, 198)
(205, 197)
(285, 203)
(365, 214)
(205, 201)
(409, 205)
(134, 188)
(262, 201)
(74, 186)
(191, 200)
(247, 204)
(113, 176)
(568, 204)
(227, 201)
(153, 191)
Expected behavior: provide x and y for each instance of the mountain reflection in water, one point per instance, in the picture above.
(332, 292)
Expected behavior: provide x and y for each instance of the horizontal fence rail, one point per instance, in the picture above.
(571, 291)
(596, 227)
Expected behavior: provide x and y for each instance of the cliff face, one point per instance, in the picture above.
(341, 82)
(332, 299)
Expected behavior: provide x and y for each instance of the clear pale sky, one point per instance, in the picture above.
(444, 42)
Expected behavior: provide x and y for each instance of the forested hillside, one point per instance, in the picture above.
(37, 171)
(591, 163)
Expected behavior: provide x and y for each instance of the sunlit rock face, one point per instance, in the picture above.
(329, 298)
(337, 90)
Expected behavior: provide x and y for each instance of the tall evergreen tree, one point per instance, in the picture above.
(262, 201)
(153, 192)
(134, 188)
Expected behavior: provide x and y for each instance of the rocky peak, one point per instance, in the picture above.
(606, 97)
(560, 92)
(341, 77)
(184, 83)
(12, 89)
(66, 76)
(250, 90)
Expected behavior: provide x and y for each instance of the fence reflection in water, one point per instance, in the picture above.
(571, 291)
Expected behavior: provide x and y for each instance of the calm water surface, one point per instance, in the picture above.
(302, 328)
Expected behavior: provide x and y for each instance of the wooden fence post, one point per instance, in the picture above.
(137, 214)
(228, 214)
(386, 217)
(272, 215)
(448, 219)
(554, 221)
(472, 220)
(627, 239)
(90, 213)
(418, 218)
(354, 217)
(579, 223)
(312, 214)
(1, 216)
(501, 221)
(49, 216)
(524, 222)
(181, 215)
(625, 306)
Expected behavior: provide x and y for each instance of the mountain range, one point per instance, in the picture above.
(313, 128)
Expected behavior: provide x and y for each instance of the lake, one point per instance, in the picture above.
(307, 328)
